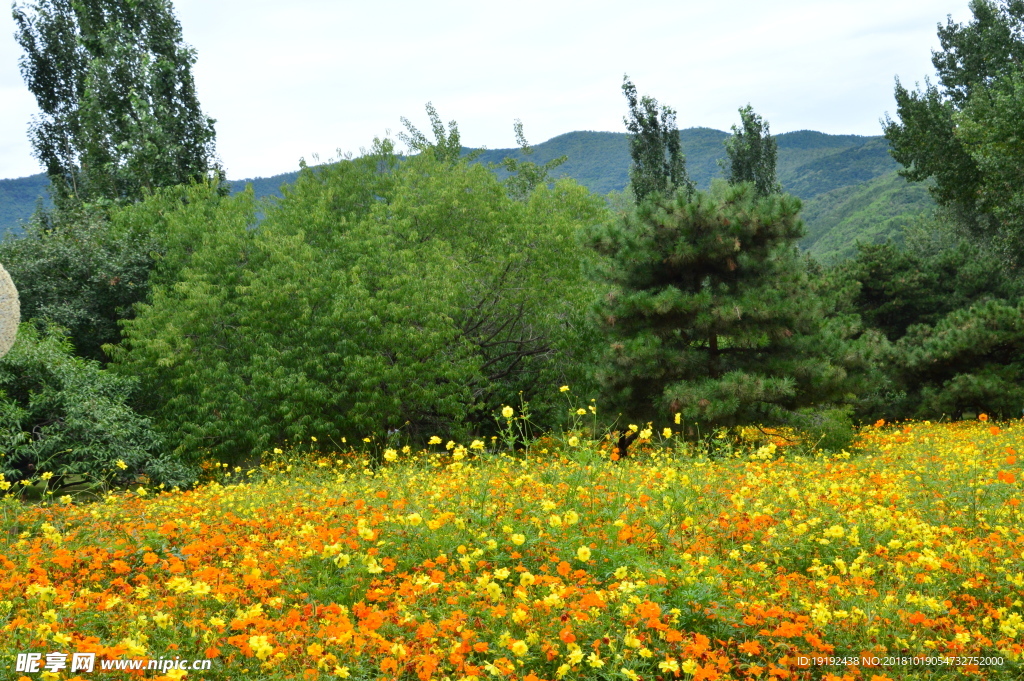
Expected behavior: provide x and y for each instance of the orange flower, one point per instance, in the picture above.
(750, 647)
(983, 417)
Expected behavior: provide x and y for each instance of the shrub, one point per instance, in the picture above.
(65, 415)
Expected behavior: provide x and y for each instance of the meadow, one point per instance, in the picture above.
(748, 558)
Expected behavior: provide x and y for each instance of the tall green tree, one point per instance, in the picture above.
(119, 112)
(711, 313)
(752, 154)
(659, 164)
(955, 133)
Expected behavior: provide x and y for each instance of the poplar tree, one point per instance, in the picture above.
(659, 164)
(118, 108)
(752, 154)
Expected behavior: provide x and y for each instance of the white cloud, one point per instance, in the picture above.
(312, 76)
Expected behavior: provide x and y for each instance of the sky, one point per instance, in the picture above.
(312, 78)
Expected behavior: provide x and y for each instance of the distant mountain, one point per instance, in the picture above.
(848, 183)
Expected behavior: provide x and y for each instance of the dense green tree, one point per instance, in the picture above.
(955, 133)
(658, 163)
(78, 270)
(972, 360)
(711, 312)
(751, 154)
(119, 113)
(895, 288)
(374, 295)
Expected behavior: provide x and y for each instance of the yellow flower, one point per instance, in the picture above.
(390, 454)
(526, 579)
(507, 412)
(571, 517)
(277, 450)
(477, 444)
(141, 492)
(573, 441)
(47, 475)
(667, 432)
(583, 553)
(518, 539)
(668, 666)
(161, 620)
(690, 666)
(66, 499)
(520, 648)
(595, 660)
(633, 428)
(555, 520)
(434, 440)
(341, 672)
(581, 411)
(629, 674)
(121, 464)
(564, 389)
(313, 439)
(621, 573)
(678, 416)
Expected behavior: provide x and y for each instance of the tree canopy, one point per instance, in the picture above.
(118, 108)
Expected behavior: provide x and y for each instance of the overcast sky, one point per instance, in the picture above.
(310, 77)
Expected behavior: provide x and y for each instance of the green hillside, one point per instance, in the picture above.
(848, 182)
(869, 212)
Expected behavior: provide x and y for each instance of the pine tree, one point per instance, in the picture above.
(711, 313)
(119, 113)
(752, 154)
(658, 161)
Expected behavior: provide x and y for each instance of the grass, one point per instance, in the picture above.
(461, 562)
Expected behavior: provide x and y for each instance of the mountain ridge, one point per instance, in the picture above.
(845, 181)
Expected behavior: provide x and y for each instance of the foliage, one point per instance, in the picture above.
(78, 270)
(447, 145)
(659, 165)
(956, 133)
(525, 176)
(896, 288)
(65, 416)
(712, 314)
(114, 83)
(752, 154)
(992, 130)
(564, 564)
(971, 360)
(374, 296)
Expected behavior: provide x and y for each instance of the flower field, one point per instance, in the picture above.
(902, 560)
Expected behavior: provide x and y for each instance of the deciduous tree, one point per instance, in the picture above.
(658, 161)
(119, 112)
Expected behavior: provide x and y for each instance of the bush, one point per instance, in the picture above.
(78, 270)
(373, 296)
(65, 415)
